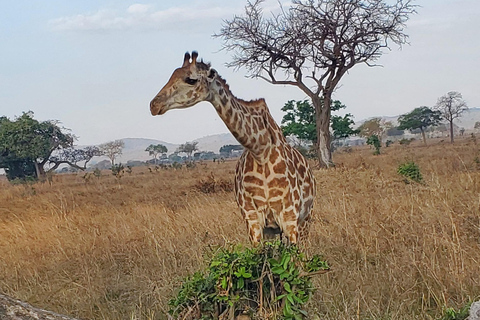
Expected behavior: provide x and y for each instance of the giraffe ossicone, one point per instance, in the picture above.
(274, 186)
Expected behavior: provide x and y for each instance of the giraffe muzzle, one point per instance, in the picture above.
(156, 109)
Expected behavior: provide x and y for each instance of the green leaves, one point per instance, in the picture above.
(375, 142)
(155, 150)
(299, 121)
(410, 171)
(241, 276)
(316, 263)
(25, 142)
(419, 118)
(342, 126)
(236, 276)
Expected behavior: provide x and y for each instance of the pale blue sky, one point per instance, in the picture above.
(95, 65)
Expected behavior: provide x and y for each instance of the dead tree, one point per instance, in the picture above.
(312, 44)
(12, 309)
(451, 106)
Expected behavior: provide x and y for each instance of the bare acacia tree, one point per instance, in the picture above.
(112, 149)
(451, 106)
(312, 44)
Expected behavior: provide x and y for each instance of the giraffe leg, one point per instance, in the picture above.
(304, 229)
(291, 233)
(255, 231)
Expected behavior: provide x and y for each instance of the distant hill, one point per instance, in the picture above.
(215, 142)
(467, 120)
(135, 147)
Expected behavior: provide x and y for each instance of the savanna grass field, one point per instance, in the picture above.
(109, 248)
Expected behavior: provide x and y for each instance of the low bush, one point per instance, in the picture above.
(271, 281)
(410, 171)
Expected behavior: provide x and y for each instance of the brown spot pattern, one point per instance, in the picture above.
(266, 152)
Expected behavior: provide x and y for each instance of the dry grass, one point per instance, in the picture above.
(117, 249)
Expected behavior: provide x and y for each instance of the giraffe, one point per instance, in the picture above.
(274, 186)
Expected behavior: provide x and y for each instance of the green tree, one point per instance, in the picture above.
(188, 148)
(451, 107)
(29, 148)
(155, 150)
(299, 122)
(313, 44)
(420, 118)
(343, 126)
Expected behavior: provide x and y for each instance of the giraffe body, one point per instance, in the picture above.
(274, 186)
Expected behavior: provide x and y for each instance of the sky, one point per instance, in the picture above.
(95, 65)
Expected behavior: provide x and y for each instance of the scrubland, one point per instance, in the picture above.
(108, 248)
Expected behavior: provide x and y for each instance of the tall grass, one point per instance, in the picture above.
(112, 248)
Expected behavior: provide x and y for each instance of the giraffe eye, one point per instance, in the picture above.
(191, 81)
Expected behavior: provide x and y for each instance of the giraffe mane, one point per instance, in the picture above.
(250, 103)
(206, 66)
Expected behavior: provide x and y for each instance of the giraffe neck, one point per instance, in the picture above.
(249, 122)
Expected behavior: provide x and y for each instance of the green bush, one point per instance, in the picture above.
(452, 314)
(271, 281)
(410, 171)
(374, 141)
(118, 170)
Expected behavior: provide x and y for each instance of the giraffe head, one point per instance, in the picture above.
(188, 85)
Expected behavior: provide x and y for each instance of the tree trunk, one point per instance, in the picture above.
(423, 136)
(40, 171)
(322, 118)
(12, 309)
(451, 131)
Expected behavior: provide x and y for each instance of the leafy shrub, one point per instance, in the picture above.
(452, 314)
(374, 141)
(271, 281)
(410, 171)
(118, 170)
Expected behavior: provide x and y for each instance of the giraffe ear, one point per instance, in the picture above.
(212, 74)
(186, 59)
